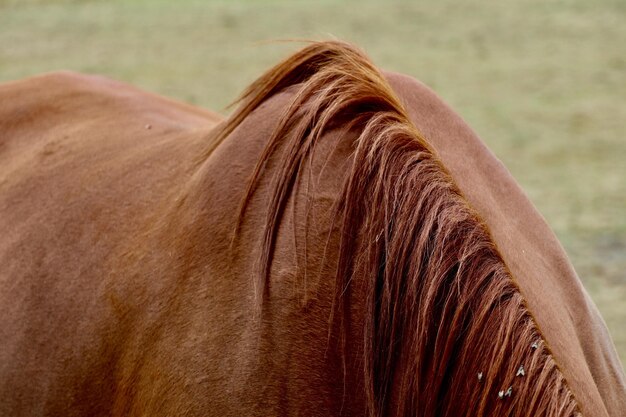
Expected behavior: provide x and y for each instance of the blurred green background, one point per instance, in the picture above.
(543, 82)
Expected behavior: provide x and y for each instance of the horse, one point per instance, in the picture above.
(341, 244)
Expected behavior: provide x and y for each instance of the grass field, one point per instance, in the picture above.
(543, 82)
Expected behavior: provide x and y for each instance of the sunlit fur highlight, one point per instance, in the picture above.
(441, 305)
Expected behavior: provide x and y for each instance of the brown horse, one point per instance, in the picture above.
(343, 244)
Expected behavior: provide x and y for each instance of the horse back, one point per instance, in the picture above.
(85, 163)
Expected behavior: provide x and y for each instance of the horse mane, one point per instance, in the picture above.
(446, 331)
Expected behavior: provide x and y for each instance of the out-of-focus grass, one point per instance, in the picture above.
(543, 82)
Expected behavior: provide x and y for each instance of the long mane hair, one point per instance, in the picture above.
(446, 330)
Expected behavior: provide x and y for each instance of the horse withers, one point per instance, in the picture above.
(342, 244)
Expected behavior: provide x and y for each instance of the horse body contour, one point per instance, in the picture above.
(100, 256)
(122, 292)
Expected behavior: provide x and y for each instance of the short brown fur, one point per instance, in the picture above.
(311, 255)
(442, 305)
